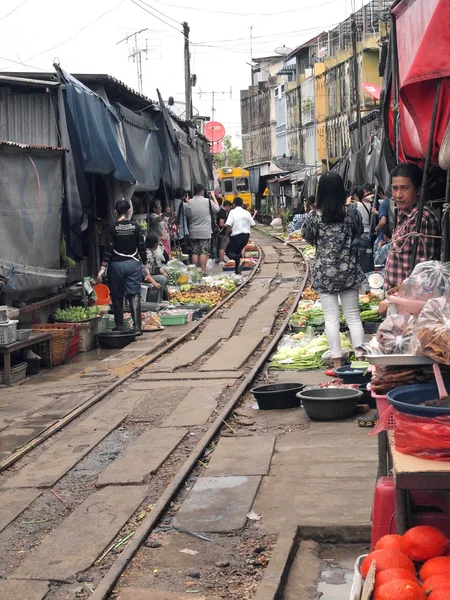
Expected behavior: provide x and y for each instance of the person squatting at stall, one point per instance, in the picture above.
(406, 182)
(336, 275)
(158, 278)
(124, 251)
(239, 224)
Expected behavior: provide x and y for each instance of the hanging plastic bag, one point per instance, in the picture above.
(210, 264)
(432, 334)
(395, 333)
(430, 279)
(423, 437)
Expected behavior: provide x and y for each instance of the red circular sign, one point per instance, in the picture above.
(216, 147)
(214, 131)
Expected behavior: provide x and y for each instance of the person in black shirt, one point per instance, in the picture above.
(124, 251)
(223, 237)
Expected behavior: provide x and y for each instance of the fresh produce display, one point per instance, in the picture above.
(396, 558)
(151, 322)
(308, 314)
(309, 252)
(310, 294)
(251, 247)
(142, 224)
(305, 356)
(202, 294)
(75, 314)
(369, 302)
(370, 315)
(295, 236)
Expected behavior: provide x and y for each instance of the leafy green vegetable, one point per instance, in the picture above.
(74, 314)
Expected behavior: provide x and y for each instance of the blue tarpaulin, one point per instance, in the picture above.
(92, 125)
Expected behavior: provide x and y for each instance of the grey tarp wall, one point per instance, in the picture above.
(142, 148)
(30, 216)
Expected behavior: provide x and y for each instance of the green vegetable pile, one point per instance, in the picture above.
(310, 316)
(370, 315)
(74, 314)
(306, 357)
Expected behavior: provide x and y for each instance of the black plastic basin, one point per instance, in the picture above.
(111, 340)
(353, 376)
(330, 404)
(277, 395)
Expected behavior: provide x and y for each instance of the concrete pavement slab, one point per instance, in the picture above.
(314, 502)
(78, 439)
(11, 589)
(154, 407)
(163, 385)
(13, 503)
(190, 375)
(16, 436)
(75, 544)
(268, 270)
(188, 353)
(218, 504)
(234, 353)
(242, 456)
(195, 408)
(142, 457)
(220, 329)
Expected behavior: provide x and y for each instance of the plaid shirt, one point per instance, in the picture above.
(398, 261)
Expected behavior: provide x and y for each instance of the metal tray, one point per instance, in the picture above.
(398, 360)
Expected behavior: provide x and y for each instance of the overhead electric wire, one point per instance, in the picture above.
(78, 32)
(155, 16)
(158, 11)
(13, 10)
(241, 14)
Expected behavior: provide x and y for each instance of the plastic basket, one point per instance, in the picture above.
(382, 406)
(23, 334)
(62, 335)
(173, 319)
(8, 333)
(18, 373)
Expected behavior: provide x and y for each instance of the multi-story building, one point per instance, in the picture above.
(300, 120)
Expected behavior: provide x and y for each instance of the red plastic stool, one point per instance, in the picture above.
(383, 511)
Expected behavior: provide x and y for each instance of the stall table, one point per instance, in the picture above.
(412, 473)
(35, 338)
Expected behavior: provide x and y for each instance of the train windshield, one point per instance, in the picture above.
(242, 185)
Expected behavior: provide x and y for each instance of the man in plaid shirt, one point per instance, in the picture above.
(406, 181)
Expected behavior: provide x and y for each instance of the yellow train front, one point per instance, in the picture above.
(235, 182)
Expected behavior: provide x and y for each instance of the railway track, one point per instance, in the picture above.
(95, 485)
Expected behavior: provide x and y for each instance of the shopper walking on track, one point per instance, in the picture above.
(333, 228)
(124, 251)
(239, 224)
(201, 225)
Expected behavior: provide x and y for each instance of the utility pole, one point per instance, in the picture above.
(356, 78)
(187, 73)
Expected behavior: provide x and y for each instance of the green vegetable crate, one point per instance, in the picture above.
(173, 319)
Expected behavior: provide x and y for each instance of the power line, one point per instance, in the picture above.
(16, 62)
(153, 15)
(240, 14)
(78, 32)
(159, 12)
(13, 10)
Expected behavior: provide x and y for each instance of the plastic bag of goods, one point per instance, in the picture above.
(429, 279)
(424, 437)
(432, 333)
(395, 333)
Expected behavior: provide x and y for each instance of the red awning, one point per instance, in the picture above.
(423, 40)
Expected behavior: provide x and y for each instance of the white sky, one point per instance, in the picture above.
(34, 34)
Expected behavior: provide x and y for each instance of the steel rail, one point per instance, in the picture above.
(39, 439)
(111, 578)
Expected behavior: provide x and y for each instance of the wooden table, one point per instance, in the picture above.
(411, 473)
(35, 338)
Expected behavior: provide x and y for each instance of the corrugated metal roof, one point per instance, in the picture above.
(32, 146)
(28, 119)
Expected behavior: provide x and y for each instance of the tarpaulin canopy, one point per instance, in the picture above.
(30, 216)
(423, 40)
(92, 125)
(143, 154)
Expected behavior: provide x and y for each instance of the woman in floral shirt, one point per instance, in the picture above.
(333, 228)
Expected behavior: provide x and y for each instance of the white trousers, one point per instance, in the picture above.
(350, 305)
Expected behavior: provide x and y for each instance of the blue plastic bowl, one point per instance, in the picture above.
(350, 375)
(406, 400)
